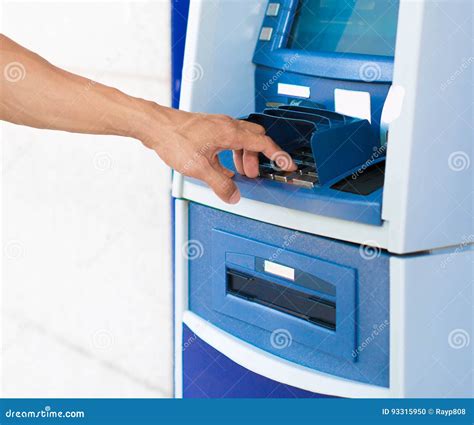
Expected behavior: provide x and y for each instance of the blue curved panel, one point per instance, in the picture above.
(207, 373)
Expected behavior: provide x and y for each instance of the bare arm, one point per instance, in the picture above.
(38, 94)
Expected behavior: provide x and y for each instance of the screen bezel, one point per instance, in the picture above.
(334, 65)
(303, 17)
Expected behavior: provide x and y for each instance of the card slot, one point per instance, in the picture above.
(333, 117)
(318, 120)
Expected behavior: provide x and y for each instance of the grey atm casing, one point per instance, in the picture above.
(426, 213)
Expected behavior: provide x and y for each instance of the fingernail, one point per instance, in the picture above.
(234, 198)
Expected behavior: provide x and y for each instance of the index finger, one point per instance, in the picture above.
(264, 144)
(250, 126)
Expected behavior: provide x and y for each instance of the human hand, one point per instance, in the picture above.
(185, 141)
(190, 142)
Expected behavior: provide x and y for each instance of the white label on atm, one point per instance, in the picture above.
(279, 270)
(353, 103)
(294, 90)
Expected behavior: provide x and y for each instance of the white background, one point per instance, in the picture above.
(86, 281)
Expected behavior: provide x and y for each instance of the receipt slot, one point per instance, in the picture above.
(351, 276)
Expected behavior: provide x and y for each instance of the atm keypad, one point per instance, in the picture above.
(304, 151)
(266, 173)
(305, 176)
(284, 176)
(305, 180)
(309, 171)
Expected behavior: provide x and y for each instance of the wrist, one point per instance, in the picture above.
(150, 122)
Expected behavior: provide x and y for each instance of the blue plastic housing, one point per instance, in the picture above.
(343, 66)
(341, 146)
(321, 89)
(234, 252)
(322, 72)
(358, 348)
(339, 150)
(203, 375)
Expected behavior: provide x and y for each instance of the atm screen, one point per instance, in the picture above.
(346, 26)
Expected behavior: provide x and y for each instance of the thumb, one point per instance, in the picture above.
(222, 185)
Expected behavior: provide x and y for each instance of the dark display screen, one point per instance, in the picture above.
(346, 26)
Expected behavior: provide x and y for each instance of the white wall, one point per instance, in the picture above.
(86, 294)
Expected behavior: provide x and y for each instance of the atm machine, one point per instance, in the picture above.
(351, 277)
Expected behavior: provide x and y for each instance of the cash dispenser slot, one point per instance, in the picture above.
(282, 298)
(313, 299)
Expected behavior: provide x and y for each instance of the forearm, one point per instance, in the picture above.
(38, 94)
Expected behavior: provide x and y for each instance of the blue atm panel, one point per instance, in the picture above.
(210, 374)
(328, 148)
(263, 283)
(308, 51)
